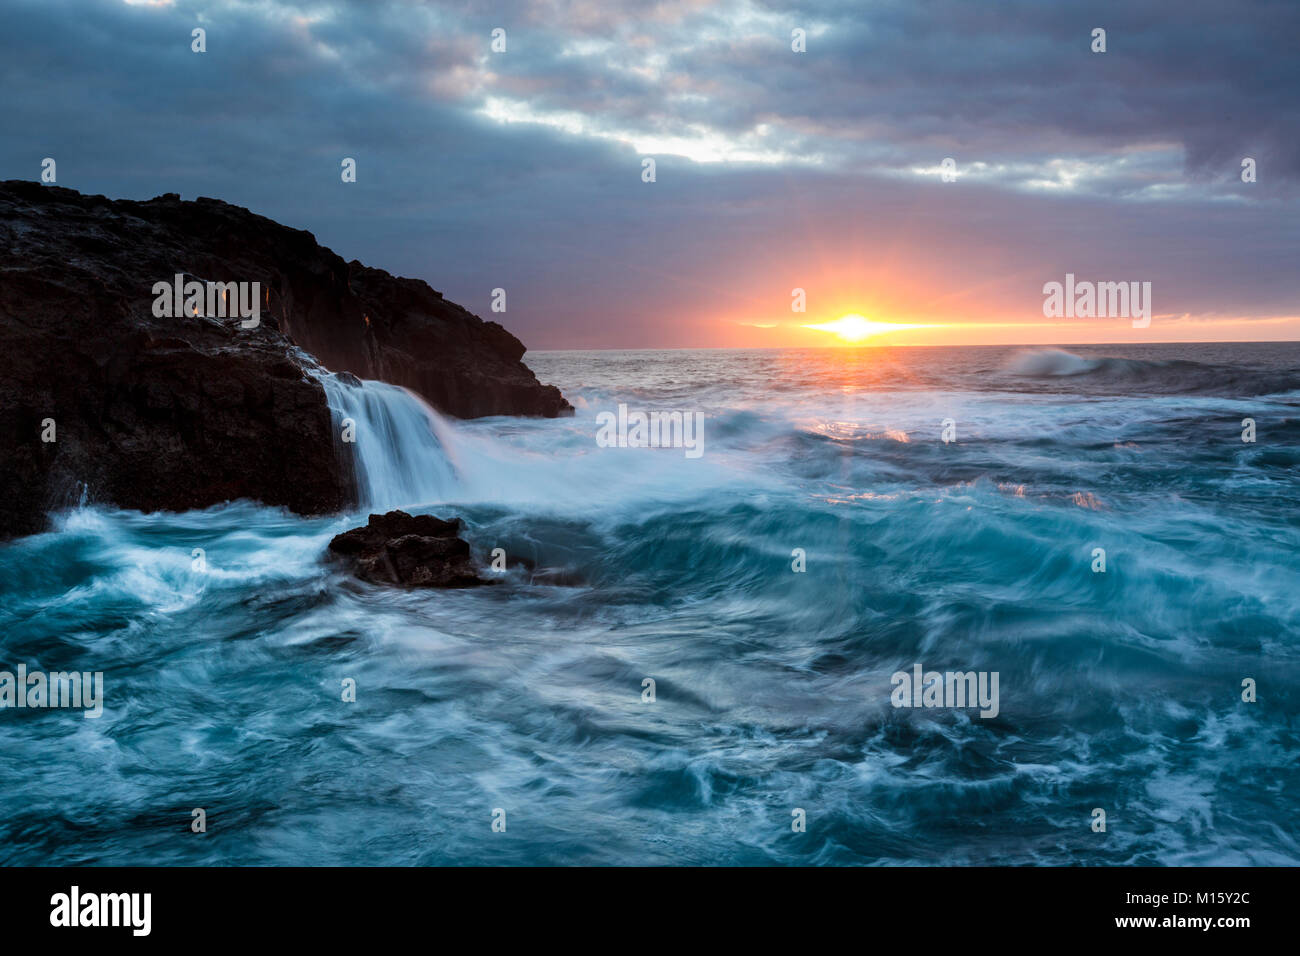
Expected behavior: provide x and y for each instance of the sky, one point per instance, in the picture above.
(774, 170)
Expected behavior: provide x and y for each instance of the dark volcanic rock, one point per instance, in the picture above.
(176, 413)
(412, 550)
(409, 335)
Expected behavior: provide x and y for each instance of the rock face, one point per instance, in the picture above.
(403, 332)
(183, 412)
(410, 550)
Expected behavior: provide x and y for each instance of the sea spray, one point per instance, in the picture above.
(771, 688)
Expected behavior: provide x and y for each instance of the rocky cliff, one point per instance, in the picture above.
(100, 393)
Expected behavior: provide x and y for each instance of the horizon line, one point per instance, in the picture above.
(843, 348)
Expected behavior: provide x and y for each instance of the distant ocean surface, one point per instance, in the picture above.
(1119, 690)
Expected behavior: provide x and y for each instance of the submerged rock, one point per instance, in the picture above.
(409, 550)
(108, 390)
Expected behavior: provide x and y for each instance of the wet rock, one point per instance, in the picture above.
(177, 412)
(408, 550)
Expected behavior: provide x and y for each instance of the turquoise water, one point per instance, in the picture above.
(1119, 690)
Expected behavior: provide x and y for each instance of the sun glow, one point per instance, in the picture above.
(855, 328)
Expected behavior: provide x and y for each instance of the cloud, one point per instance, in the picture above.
(775, 169)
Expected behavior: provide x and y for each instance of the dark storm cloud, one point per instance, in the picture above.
(522, 170)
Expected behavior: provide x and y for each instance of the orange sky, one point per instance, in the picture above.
(986, 296)
(1003, 308)
(787, 333)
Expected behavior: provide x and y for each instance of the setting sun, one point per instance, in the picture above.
(855, 328)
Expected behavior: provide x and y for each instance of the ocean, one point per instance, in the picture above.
(227, 641)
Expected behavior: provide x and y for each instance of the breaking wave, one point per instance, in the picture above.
(1119, 689)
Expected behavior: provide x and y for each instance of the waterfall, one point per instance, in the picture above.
(397, 456)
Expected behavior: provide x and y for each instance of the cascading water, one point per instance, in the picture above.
(398, 458)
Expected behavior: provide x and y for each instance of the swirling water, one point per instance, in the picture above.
(1119, 690)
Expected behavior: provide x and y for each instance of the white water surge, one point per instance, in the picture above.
(406, 455)
(397, 443)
